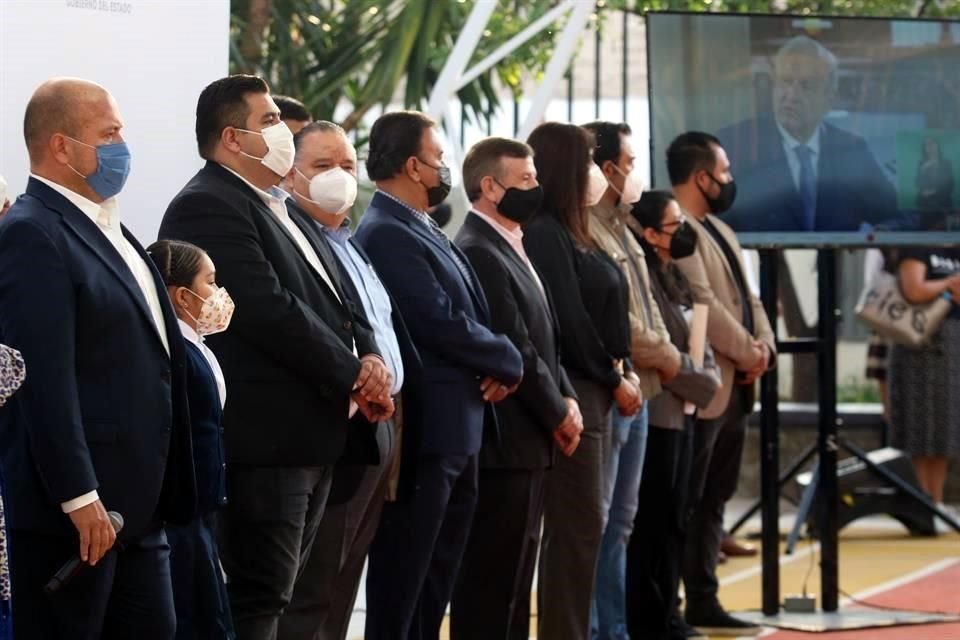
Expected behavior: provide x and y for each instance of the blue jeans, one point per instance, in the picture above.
(628, 445)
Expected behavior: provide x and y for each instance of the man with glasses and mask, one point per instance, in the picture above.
(447, 412)
(739, 331)
(299, 362)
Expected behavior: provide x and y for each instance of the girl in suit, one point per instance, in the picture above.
(12, 373)
(199, 593)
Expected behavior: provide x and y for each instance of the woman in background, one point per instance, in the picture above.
(591, 300)
(934, 179)
(199, 593)
(12, 374)
(923, 382)
(655, 552)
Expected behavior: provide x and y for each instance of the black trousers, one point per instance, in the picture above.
(128, 593)
(417, 551)
(266, 532)
(326, 590)
(717, 451)
(491, 600)
(655, 551)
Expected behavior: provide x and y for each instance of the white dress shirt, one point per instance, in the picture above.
(106, 216)
(790, 145)
(194, 338)
(515, 240)
(276, 201)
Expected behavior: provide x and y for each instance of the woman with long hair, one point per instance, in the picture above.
(591, 298)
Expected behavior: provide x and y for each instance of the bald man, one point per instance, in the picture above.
(101, 422)
(796, 171)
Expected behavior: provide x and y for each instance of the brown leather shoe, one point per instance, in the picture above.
(734, 549)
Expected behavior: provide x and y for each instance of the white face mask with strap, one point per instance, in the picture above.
(332, 191)
(280, 148)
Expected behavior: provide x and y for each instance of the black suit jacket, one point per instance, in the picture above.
(851, 187)
(103, 405)
(524, 313)
(287, 356)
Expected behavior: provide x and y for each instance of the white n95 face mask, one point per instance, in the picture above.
(596, 184)
(632, 186)
(332, 191)
(3, 191)
(280, 149)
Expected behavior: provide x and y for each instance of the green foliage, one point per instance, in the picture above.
(855, 389)
(364, 53)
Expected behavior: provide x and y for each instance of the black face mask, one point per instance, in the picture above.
(439, 193)
(520, 205)
(683, 242)
(723, 201)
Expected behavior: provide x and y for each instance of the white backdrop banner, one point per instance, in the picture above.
(154, 56)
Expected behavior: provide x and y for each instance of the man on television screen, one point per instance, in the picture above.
(797, 171)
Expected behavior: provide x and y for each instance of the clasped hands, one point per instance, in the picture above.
(567, 433)
(761, 363)
(371, 390)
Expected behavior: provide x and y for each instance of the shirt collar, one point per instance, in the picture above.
(420, 215)
(339, 235)
(190, 334)
(610, 214)
(792, 143)
(89, 208)
(513, 237)
(274, 197)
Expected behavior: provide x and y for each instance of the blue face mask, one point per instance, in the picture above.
(113, 167)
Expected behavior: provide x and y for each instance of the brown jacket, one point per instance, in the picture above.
(650, 345)
(712, 281)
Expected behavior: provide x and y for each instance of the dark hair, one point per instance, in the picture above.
(222, 104)
(394, 138)
(178, 262)
(607, 137)
(562, 155)
(291, 108)
(648, 211)
(320, 126)
(690, 152)
(483, 160)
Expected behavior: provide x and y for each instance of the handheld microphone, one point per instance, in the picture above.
(75, 565)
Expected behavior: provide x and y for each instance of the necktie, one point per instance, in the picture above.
(807, 185)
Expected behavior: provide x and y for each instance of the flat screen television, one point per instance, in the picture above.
(839, 131)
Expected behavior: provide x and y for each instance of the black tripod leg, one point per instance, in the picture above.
(899, 483)
(794, 468)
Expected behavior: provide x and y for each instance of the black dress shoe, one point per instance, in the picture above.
(680, 630)
(714, 621)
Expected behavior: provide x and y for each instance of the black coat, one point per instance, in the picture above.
(287, 355)
(524, 313)
(103, 406)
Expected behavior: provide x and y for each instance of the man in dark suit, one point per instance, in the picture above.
(323, 184)
(492, 596)
(417, 551)
(101, 421)
(796, 172)
(297, 361)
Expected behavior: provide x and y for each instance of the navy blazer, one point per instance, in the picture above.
(524, 313)
(287, 357)
(851, 187)
(103, 407)
(206, 427)
(448, 321)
